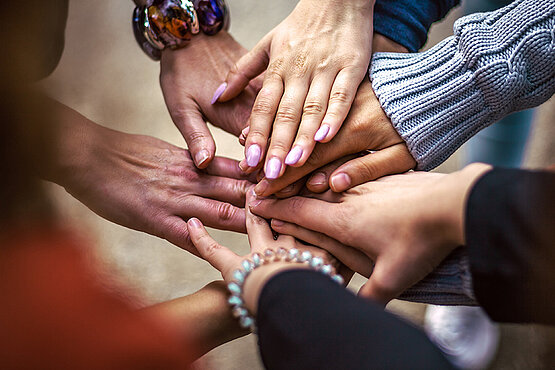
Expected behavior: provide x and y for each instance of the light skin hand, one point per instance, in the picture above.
(366, 128)
(188, 77)
(406, 224)
(260, 239)
(145, 183)
(314, 62)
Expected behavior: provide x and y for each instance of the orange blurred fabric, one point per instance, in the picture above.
(55, 315)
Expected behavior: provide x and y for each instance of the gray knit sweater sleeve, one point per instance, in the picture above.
(494, 64)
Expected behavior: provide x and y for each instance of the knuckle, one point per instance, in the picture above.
(296, 204)
(264, 104)
(340, 95)
(313, 108)
(300, 65)
(287, 114)
(274, 69)
(226, 212)
(196, 138)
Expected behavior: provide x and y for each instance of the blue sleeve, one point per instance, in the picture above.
(407, 21)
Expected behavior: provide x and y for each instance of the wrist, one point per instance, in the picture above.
(456, 188)
(380, 43)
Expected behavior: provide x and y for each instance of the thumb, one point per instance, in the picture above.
(247, 68)
(391, 160)
(218, 256)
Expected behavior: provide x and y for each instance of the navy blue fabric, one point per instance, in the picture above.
(407, 21)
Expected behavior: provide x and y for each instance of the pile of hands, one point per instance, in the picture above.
(317, 148)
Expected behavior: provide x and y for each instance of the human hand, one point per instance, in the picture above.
(261, 238)
(315, 61)
(407, 224)
(147, 184)
(188, 77)
(367, 128)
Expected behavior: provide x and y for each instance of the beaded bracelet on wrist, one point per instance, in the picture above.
(293, 255)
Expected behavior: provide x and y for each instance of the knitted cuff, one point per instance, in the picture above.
(449, 284)
(495, 63)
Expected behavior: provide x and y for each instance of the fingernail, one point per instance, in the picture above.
(254, 203)
(194, 222)
(277, 223)
(245, 131)
(253, 155)
(219, 91)
(319, 178)
(322, 133)
(294, 155)
(243, 166)
(261, 187)
(340, 182)
(273, 168)
(287, 189)
(202, 157)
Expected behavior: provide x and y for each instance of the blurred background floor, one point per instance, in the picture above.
(105, 76)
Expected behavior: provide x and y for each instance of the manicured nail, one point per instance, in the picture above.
(277, 223)
(245, 131)
(253, 155)
(202, 157)
(273, 168)
(294, 155)
(318, 179)
(261, 187)
(340, 182)
(194, 222)
(322, 133)
(219, 91)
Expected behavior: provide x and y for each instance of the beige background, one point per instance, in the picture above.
(105, 76)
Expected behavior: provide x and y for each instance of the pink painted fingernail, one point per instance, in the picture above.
(273, 168)
(194, 222)
(340, 182)
(253, 155)
(245, 131)
(202, 157)
(322, 133)
(219, 91)
(294, 155)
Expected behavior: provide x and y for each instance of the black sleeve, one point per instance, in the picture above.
(307, 321)
(407, 21)
(510, 232)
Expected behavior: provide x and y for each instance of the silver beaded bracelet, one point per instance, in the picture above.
(293, 255)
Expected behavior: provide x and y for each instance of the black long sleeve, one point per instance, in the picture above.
(510, 231)
(306, 321)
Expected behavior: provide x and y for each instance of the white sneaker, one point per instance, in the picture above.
(466, 335)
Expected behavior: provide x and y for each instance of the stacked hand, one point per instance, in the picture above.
(399, 228)
(145, 183)
(314, 62)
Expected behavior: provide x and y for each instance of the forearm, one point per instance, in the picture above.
(203, 320)
(337, 329)
(407, 21)
(496, 63)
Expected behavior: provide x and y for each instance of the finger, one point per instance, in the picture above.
(175, 230)
(213, 213)
(392, 160)
(227, 167)
(341, 98)
(262, 118)
(224, 189)
(243, 136)
(392, 275)
(218, 256)
(246, 69)
(291, 190)
(319, 180)
(315, 106)
(313, 214)
(258, 229)
(190, 122)
(352, 258)
(284, 129)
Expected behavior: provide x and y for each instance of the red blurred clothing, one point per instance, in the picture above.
(55, 315)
